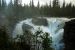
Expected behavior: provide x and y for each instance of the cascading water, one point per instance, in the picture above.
(55, 28)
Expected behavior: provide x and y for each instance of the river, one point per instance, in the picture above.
(54, 27)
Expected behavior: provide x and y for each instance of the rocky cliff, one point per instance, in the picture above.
(69, 35)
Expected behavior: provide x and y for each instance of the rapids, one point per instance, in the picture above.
(55, 28)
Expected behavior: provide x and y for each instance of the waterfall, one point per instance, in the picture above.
(55, 28)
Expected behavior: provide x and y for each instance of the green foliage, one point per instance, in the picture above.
(4, 38)
(0, 2)
(18, 12)
(47, 42)
(23, 42)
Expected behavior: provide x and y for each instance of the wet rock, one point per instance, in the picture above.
(69, 35)
(26, 31)
(39, 21)
(26, 27)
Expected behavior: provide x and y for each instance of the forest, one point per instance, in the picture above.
(14, 12)
(15, 9)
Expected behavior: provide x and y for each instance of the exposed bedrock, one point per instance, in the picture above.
(26, 27)
(40, 21)
(69, 35)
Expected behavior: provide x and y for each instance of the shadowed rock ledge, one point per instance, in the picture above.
(39, 21)
(69, 35)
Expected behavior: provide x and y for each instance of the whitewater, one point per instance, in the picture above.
(55, 28)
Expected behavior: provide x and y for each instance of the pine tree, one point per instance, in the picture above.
(47, 42)
(0, 6)
(15, 8)
(55, 3)
(3, 6)
(38, 5)
(10, 9)
(32, 3)
(24, 40)
(4, 38)
(3, 3)
(63, 4)
(50, 4)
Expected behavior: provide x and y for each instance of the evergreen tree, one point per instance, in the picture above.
(47, 42)
(0, 6)
(63, 4)
(15, 8)
(50, 5)
(24, 40)
(32, 3)
(10, 9)
(3, 6)
(55, 3)
(38, 5)
(4, 39)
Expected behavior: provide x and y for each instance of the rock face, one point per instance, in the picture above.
(26, 31)
(69, 35)
(26, 27)
(39, 21)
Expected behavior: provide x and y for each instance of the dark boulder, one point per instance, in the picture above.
(39, 21)
(26, 27)
(69, 35)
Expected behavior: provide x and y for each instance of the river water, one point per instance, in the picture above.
(55, 28)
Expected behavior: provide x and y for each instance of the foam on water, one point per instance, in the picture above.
(52, 28)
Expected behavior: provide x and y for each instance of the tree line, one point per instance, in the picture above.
(16, 10)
